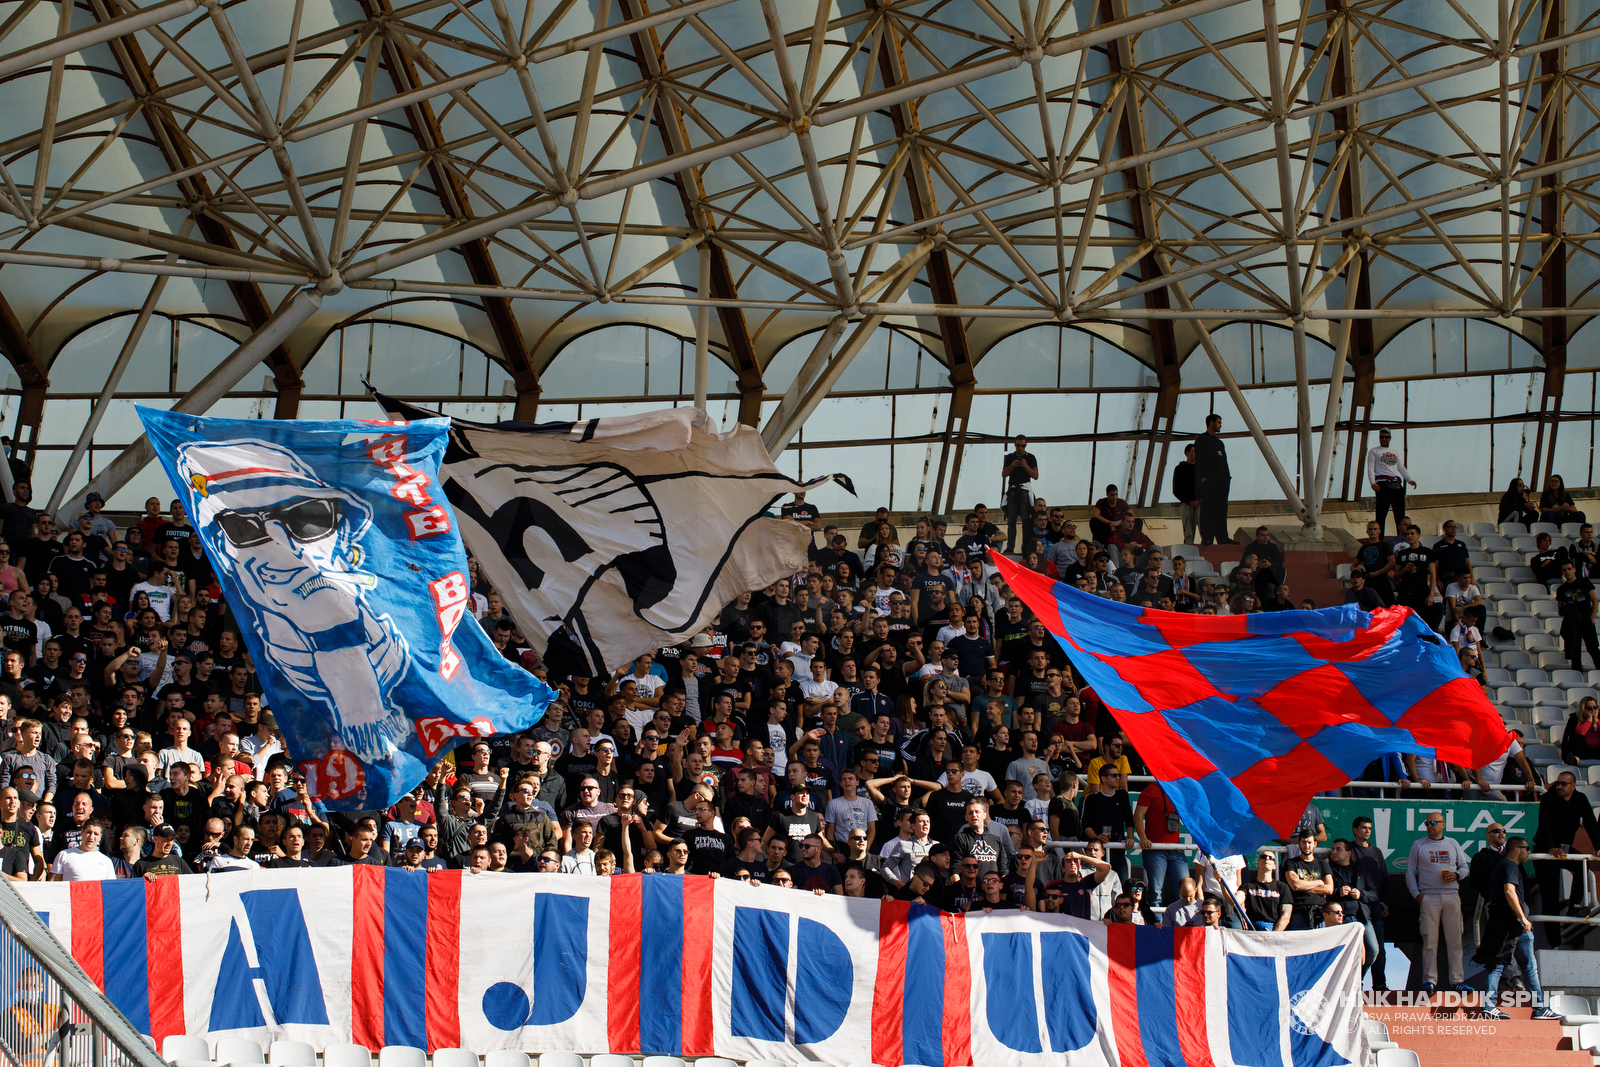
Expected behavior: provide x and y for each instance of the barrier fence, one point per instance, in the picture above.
(51, 1013)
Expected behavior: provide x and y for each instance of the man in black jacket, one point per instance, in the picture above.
(1562, 810)
(1212, 481)
(1480, 883)
(1185, 493)
(1353, 889)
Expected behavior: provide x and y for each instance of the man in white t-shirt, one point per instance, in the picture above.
(849, 811)
(1490, 776)
(156, 588)
(975, 781)
(1464, 635)
(83, 862)
(1219, 876)
(180, 752)
(817, 689)
(237, 858)
(642, 677)
(1464, 600)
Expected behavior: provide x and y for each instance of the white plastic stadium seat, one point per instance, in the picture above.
(184, 1047)
(708, 1061)
(1549, 717)
(1575, 1009)
(1510, 608)
(1551, 659)
(1498, 676)
(1515, 658)
(1544, 609)
(239, 1050)
(1550, 697)
(1520, 574)
(402, 1056)
(1550, 528)
(1523, 730)
(610, 1061)
(346, 1056)
(1481, 529)
(454, 1057)
(1531, 678)
(1569, 679)
(1514, 696)
(656, 1061)
(292, 1054)
(1532, 591)
(1591, 793)
(1378, 1035)
(1342, 572)
(1547, 753)
(1535, 639)
(506, 1057)
(1398, 1057)
(1588, 1037)
(765, 1063)
(1512, 529)
(1574, 530)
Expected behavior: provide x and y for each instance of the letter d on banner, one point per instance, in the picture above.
(822, 979)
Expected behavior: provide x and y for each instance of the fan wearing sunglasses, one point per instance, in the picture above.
(292, 542)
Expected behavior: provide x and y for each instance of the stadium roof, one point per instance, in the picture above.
(518, 173)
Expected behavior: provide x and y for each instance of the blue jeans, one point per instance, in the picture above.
(1164, 870)
(1369, 937)
(1523, 954)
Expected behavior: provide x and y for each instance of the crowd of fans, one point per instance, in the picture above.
(890, 722)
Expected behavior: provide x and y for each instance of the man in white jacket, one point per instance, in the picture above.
(1433, 875)
(1388, 478)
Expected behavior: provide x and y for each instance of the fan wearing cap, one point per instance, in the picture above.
(292, 543)
(163, 858)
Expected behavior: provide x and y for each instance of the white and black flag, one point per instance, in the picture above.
(610, 537)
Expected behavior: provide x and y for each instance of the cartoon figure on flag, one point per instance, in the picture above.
(294, 546)
(345, 575)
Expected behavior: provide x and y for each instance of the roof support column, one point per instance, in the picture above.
(1553, 278)
(114, 379)
(1285, 482)
(290, 316)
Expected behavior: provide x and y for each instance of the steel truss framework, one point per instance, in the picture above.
(1149, 169)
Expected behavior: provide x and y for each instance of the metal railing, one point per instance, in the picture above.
(51, 1013)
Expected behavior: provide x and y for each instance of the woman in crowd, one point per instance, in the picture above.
(1581, 739)
(1556, 504)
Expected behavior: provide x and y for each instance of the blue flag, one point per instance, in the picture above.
(347, 577)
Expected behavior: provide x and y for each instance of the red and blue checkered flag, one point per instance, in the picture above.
(1243, 718)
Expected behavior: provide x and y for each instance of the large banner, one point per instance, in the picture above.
(612, 537)
(667, 965)
(1397, 823)
(345, 570)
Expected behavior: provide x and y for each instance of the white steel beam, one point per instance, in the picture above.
(290, 316)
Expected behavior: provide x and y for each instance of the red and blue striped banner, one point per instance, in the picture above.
(691, 967)
(127, 935)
